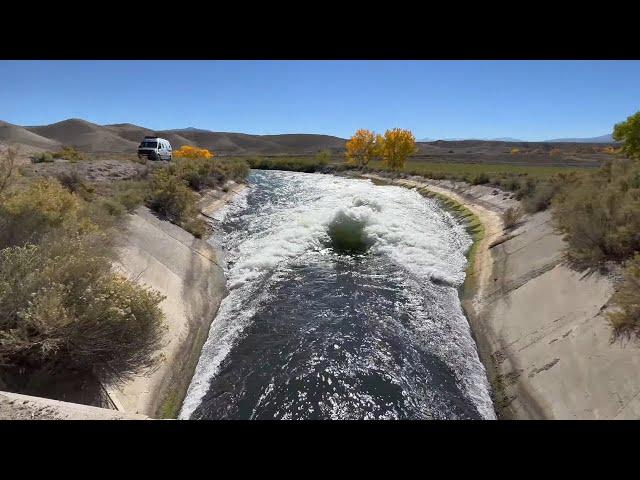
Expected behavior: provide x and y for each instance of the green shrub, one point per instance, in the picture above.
(599, 214)
(234, 169)
(171, 198)
(480, 179)
(308, 165)
(44, 157)
(63, 310)
(200, 173)
(69, 153)
(29, 214)
(113, 207)
(195, 226)
(625, 315)
(539, 197)
(131, 194)
(323, 158)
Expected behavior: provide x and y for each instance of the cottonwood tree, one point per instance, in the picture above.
(628, 132)
(363, 147)
(396, 146)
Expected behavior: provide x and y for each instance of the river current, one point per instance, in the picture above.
(343, 304)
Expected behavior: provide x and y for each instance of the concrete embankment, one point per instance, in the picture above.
(189, 273)
(14, 406)
(540, 327)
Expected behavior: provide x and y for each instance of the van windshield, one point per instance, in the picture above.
(148, 144)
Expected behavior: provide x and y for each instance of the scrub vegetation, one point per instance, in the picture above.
(68, 319)
(172, 190)
(64, 313)
(67, 153)
(292, 164)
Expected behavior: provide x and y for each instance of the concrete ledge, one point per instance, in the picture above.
(14, 406)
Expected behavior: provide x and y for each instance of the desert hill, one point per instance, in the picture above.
(125, 137)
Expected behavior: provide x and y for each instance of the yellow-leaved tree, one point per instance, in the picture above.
(187, 151)
(362, 147)
(396, 146)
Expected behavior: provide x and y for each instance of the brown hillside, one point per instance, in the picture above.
(85, 136)
(14, 135)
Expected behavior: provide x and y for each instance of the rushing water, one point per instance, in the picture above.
(343, 304)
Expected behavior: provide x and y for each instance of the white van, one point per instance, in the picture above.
(155, 148)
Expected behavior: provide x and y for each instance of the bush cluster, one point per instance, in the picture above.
(171, 189)
(28, 215)
(63, 310)
(599, 214)
(294, 164)
(43, 157)
(69, 153)
(170, 196)
(625, 315)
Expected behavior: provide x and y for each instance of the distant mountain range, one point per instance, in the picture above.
(501, 139)
(601, 139)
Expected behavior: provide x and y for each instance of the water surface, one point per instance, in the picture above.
(343, 305)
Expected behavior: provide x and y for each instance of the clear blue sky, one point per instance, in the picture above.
(530, 100)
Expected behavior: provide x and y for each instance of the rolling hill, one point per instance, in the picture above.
(15, 135)
(85, 136)
(125, 137)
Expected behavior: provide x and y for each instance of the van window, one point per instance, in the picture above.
(148, 144)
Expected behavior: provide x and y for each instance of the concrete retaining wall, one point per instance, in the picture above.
(188, 271)
(541, 328)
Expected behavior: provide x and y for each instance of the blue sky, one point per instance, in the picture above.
(530, 100)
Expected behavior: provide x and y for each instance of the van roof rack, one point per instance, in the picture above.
(150, 136)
